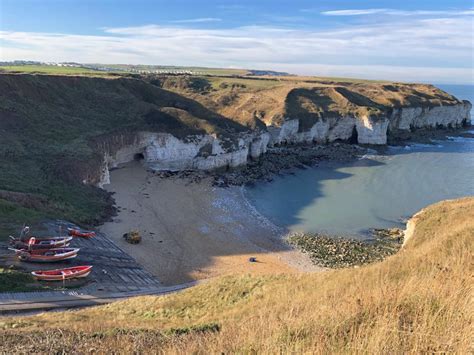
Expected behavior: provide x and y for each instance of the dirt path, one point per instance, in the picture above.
(194, 231)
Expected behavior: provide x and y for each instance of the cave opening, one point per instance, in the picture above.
(138, 157)
(354, 138)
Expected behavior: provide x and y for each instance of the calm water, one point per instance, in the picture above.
(380, 190)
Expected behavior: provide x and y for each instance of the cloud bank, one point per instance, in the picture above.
(355, 12)
(434, 49)
(198, 20)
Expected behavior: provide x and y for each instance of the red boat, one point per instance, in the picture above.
(46, 255)
(63, 274)
(40, 243)
(80, 233)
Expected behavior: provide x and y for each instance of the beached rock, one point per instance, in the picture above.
(132, 237)
(336, 252)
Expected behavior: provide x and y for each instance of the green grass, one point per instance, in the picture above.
(51, 69)
(17, 281)
(13, 215)
(222, 83)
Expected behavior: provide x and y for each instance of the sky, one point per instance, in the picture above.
(417, 40)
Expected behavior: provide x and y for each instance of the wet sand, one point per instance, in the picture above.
(192, 231)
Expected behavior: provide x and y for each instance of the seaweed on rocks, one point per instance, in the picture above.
(284, 159)
(338, 252)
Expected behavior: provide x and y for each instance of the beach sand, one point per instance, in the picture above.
(192, 231)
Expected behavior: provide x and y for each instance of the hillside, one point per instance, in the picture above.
(59, 131)
(51, 128)
(417, 301)
(271, 100)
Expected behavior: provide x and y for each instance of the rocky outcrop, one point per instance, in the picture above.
(366, 129)
(371, 131)
(322, 131)
(408, 118)
(163, 151)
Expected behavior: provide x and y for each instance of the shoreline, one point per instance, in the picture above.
(193, 230)
(218, 229)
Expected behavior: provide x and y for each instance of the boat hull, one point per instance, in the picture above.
(41, 243)
(47, 256)
(63, 274)
(82, 234)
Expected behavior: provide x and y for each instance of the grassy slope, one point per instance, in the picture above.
(17, 281)
(48, 132)
(419, 300)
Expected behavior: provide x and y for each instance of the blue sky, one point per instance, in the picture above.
(416, 40)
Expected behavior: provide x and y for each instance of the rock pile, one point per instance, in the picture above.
(336, 252)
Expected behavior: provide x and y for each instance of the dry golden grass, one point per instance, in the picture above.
(249, 100)
(419, 300)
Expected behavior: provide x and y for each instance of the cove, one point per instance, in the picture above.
(380, 190)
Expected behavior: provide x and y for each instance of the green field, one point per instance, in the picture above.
(50, 69)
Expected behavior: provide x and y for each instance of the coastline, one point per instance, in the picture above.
(199, 224)
(411, 226)
(193, 230)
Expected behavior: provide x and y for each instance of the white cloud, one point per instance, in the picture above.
(427, 49)
(359, 12)
(350, 12)
(198, 20)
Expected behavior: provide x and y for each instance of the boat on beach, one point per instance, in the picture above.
(74, 272)
(46, 255)
(40, 243)
(73, 232)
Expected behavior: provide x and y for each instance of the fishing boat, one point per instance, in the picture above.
(63, 274)
(73, 232)
(40, 243)
(46, 255)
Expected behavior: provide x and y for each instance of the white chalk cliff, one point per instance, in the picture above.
(163, 151)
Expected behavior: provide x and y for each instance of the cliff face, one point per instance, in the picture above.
(163, 151)
(372, 130)
(178, 123)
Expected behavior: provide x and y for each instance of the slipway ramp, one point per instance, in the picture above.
(26, 302)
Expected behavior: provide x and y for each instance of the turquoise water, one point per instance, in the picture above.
(378, 191)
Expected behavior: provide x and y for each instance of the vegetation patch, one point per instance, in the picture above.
(51, 70)
(200, 328)
(16, 281)
(337, 252)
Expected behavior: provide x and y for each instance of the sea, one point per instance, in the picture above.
(381, 190)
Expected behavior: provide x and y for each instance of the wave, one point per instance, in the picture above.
(371, 154)
(460, 139)
(261, 218)
(414, 146)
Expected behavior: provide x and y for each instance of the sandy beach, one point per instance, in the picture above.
(192, 231)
